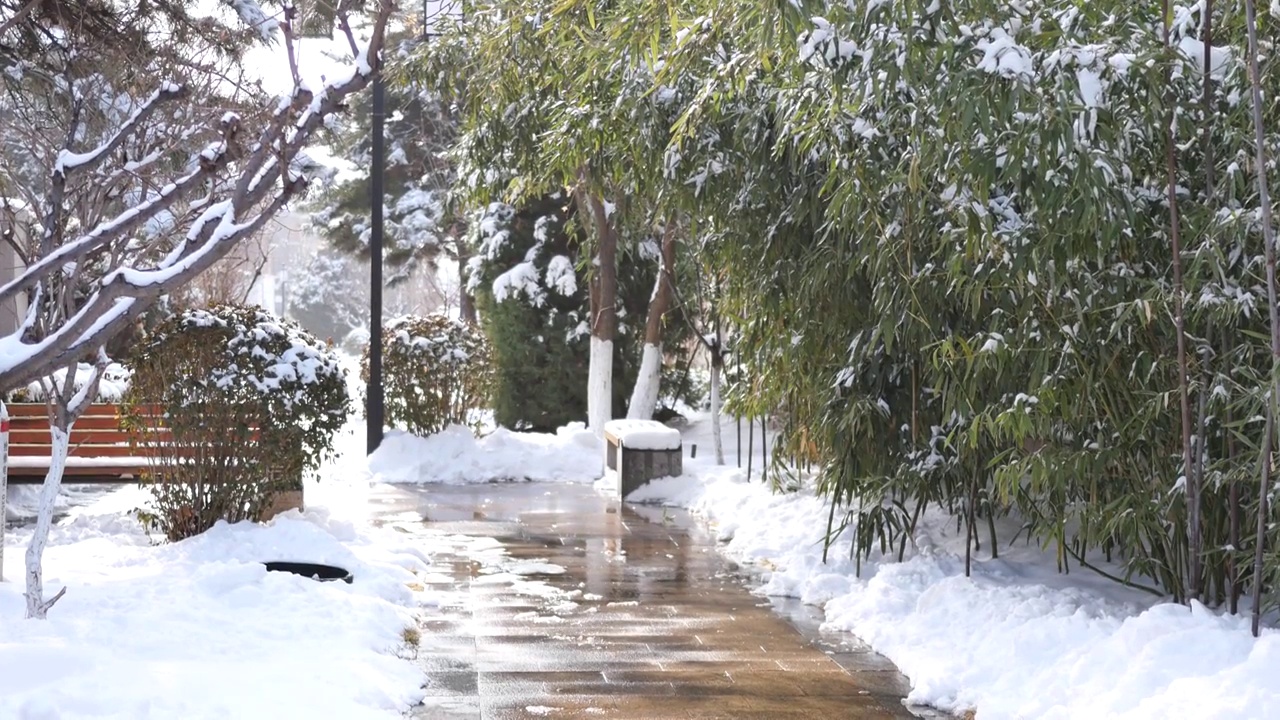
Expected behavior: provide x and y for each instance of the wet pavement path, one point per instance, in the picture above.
(556, 602)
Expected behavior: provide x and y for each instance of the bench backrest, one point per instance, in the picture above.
(96, 434)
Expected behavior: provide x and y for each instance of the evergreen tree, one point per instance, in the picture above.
(421, 222)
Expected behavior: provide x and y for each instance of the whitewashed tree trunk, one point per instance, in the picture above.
(600, 385)
(717, 368)
(644, 397)
(66, 404)
(37, 606)
(603, 295)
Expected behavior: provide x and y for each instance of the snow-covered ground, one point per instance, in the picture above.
(200, 629)
(149, 631)
(1015, 640)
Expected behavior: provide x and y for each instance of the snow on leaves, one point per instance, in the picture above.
(265, 355)
(525, 279)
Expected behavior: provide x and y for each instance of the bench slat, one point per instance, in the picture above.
(84, 423)
(74, 451)
(38, 410)
(78, 436)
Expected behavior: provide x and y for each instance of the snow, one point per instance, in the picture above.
(164, 631)
(1015, 640)
(1003, 56)
(251, 14)
(1219, 57)
(456, 456)
(522, 278)
(198, 629)
(643, 434)
(1091, 92)
(111, 388)
(560, 275)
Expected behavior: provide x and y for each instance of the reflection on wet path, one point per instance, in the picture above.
(556, 602)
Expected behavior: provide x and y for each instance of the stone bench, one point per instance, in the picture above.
(640, 450)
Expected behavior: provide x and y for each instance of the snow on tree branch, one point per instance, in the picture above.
(184, 215)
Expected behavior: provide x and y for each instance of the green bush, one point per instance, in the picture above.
(232, 406)
(436, 373)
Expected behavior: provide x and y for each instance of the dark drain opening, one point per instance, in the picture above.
(315, 571)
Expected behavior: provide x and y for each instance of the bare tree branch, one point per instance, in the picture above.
(18, 16)
(246, 202)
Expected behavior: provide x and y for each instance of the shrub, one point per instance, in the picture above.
(243, 404)
(436, 373)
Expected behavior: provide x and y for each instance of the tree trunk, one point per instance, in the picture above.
(466, 301)
(65, 404)
(717, 367)
(644, 397)
(603, 288)
(1268, 239)
(37, 606)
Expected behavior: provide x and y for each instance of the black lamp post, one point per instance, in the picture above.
(374, 405)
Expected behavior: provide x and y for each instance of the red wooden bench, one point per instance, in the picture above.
(100, 449)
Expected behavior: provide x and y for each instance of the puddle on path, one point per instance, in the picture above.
(554, 602)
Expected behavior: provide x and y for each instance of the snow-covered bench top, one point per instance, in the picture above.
(642, 435)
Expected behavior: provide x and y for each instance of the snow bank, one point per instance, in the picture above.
(457, 457)
(200, 629)
(1017, 640)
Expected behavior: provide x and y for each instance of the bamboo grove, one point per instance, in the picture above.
(944, 235)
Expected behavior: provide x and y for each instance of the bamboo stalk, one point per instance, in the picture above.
(1192, 490)
(1268, 239)
(991, 526)
(764, 449)
(1202, 446)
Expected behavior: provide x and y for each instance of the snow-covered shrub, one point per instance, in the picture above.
(356, 341)
(436, 373)
(236, 405)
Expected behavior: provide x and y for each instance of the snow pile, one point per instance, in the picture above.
(1030, 651)
(1017, 640)
(456, 456)
(200, 629)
